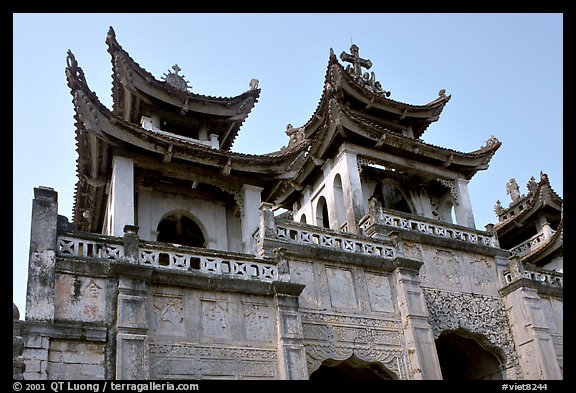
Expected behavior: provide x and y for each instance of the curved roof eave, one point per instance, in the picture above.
(115, 48)
(115, 125)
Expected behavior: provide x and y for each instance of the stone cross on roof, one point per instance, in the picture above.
(176, 80)
(356, 60)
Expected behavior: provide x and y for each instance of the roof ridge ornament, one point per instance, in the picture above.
(72, 66)
(368, 81)
(178, 81)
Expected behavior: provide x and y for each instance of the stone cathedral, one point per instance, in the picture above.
(350, 253)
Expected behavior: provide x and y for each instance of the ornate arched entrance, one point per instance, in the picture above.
(352, 368)
(466, 356)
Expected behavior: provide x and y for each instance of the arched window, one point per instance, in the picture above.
(322, 218)
(179, 229)
(303, 218)
(339, 201)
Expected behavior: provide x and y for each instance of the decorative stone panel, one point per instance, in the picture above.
(479, 314)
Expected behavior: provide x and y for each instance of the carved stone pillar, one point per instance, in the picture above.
(250, 216)
(131, 321)
(267, 228)
(419, 339)
(463, 208)
(291, 353)
(536, 352)
(347, 167)
(121, 197)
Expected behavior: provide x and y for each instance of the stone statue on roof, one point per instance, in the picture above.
(498, 208)
(513, 190)
(532, 185)
(296, 134)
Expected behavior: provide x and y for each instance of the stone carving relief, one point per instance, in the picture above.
(483, 273)
(412, 250)
(448, 269)
(379, 292)
(391, 358)
(257, 319)
(188, 360)
(214, 319)
(168, 315)
(336, 336)
(80, 298)
(484, 315)
(341, 287)
(303, 273)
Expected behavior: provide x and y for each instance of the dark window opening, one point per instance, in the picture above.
(182, 230)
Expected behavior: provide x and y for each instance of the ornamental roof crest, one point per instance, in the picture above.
(178, 81)
(368, 81)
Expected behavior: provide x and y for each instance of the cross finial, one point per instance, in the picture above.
(356, 60)
(176, 68)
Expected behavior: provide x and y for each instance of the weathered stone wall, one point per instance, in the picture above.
(74, 359)
(348, 309)
(553, 310)
(451, 269)
(202, 334)
(80, 298)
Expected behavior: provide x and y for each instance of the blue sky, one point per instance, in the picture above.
(504, 72)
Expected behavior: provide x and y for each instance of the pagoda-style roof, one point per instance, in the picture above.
(532, 227)
(357, 110)
(352, 110)
(364, 96)
(101, 132)
(541, 199)
(135, 91)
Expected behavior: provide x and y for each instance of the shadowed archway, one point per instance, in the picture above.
(465, 356)
(179, 229)
(351, 369)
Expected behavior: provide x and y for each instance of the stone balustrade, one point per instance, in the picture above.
(323, 237)
(553, 279)
(92, 248)
(169, 257)
(534, 243)
(426, 226)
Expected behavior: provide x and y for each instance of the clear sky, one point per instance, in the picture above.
(504, 72)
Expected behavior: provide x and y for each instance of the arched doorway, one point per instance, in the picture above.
(179, 229)
(465, 356)
(351, 369)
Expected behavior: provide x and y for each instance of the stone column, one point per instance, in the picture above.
(419, 339)
(40, 292)
(291, 353)
(463, 208)
(41, 264)
(121, 198)
(534, 346)
(131, 322)
(347, 167)
(250, 216)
